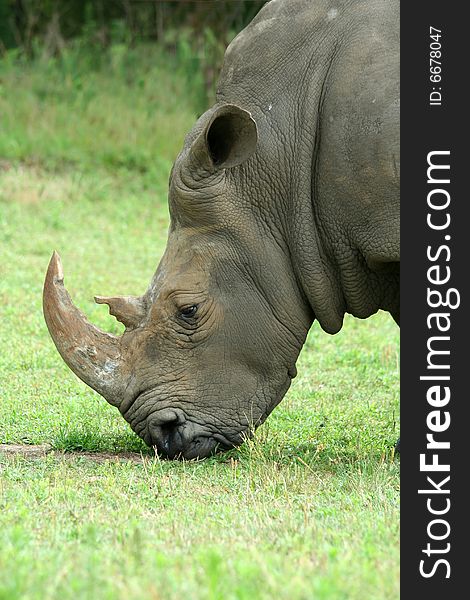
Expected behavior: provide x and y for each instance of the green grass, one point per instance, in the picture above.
(307, 510)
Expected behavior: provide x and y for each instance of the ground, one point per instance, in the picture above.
(308, 509)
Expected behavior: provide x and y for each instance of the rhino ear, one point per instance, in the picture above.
(228, 140)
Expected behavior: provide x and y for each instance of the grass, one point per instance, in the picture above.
(309, 509)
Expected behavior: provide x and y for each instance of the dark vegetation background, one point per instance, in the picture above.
(194, 32)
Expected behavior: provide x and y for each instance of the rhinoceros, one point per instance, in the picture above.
(284, 208)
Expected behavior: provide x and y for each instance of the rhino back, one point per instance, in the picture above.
(276, 66)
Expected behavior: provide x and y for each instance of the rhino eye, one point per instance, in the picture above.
(188, 312)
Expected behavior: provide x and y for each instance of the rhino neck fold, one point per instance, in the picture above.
(314, 272)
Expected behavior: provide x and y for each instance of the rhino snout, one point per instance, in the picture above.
(174, 436)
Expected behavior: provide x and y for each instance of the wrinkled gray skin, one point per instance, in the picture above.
(284, 208)
(306, 227)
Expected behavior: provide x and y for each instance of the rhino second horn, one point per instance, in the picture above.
(93, 355)
(129, 310)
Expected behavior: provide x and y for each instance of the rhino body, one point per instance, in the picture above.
(284, 206)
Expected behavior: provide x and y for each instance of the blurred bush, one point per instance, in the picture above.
(196, 32)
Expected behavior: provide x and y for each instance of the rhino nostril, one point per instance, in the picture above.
(167, 435)
(165, 432)
(165, 418)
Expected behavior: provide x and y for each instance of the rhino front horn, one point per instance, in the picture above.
(92, 354)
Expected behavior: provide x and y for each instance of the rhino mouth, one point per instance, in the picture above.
(175, 445)
(199, 448)
(174, 435)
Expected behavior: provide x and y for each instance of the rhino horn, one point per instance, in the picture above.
(93, 355)
(129, 310)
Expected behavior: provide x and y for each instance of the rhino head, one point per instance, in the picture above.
(210, 349)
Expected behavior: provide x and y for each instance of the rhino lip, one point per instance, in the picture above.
(174, 436)
(198, 448)
(223, 442)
